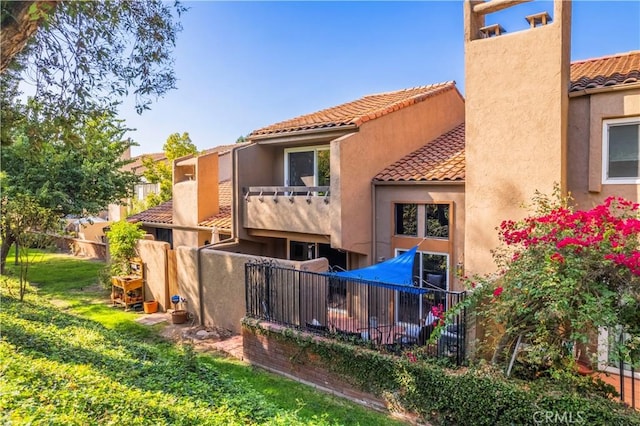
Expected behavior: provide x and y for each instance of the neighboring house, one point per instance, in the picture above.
(303, 186)
(143, 188)
(200, 211)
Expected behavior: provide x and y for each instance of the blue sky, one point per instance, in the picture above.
(244, 65)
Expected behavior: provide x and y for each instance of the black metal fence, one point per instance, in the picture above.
(390, 318)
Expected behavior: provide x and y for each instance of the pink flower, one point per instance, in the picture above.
(411, 357)
(557, 257)
(497, 292)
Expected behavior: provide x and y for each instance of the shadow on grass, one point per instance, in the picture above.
(41, 331)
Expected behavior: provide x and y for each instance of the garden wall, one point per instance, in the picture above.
(219, 286)
(80, 247)
(154, 257)
(288, 359)
(222, 288)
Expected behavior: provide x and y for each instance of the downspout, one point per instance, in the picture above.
(374, 248)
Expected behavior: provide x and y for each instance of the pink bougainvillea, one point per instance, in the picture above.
(561, 274)
(611, 229)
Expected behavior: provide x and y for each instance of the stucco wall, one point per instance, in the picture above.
(586, 115)
(223, 284)
(296, 215)
(387, 195)
(154, 257)
(357, 158)
(254, 167)
(516, 117)
(92, 231)
(224, 166)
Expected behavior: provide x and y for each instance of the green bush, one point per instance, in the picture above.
(477, 395)
(123, 237)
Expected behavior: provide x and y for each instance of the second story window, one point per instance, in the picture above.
(406, 219)
(307, 166)
(621, 151)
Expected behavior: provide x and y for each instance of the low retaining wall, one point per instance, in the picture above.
(300, 364)
(80, 247)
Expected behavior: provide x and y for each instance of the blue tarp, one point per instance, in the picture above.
(395, 273)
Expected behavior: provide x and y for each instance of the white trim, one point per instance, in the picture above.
(313, 149)
(605, 151)
(603, 356)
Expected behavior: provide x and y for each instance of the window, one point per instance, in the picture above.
(406, 219)
(430, 271)
(437, 221)
(307, 166)
(621, 151)
(424, 220)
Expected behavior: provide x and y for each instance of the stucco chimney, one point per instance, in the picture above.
(195, 189)
(516, 120)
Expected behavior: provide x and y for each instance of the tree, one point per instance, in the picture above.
(78, 175)
(161, 173)
(26, 221)
(81, 55)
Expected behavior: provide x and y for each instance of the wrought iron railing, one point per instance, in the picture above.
(390, 318)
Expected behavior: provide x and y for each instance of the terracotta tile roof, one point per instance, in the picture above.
(162, 213)
(442, 159)
(222, 220)
(357, 112)
(221, 149)
(613, 70)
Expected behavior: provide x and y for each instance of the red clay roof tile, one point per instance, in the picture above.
(163, 213)
(442, 159)
(613, 70)
(356, 112)
(222, 220)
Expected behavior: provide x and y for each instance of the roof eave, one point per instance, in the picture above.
(417, 182)
(594, 90)
(307, 135)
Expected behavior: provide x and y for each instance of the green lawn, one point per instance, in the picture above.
(68, 357)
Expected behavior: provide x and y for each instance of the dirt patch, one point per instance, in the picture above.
(202, 338)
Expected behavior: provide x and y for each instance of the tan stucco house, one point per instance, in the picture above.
(200, 211)
(304, 186)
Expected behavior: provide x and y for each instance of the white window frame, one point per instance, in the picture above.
(605, 151)
(313, 149)
(603, 356)
(398, 251)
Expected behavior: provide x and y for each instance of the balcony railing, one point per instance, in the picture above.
(287, 192)
(390, 318)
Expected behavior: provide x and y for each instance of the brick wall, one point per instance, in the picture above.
(288, 359)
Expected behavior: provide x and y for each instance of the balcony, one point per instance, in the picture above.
(303, 209)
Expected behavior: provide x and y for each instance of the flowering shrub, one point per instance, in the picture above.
(563, 273)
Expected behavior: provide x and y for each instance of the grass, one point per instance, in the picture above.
(71, 358)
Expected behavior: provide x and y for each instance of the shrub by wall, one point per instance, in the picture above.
(469, 396)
